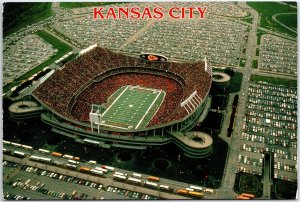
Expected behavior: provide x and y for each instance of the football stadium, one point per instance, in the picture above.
(110, 99)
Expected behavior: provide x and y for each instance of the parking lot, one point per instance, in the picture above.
(270, 125)
(187, 39)
(212, 37)
(215, 8)
(24, 55)
(96, 186)
(34, 183)
(106, 33)
(278, 55)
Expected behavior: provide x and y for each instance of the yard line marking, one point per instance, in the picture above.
(115, 101)
(148, 109)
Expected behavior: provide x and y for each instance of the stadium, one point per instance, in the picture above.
(110, 99)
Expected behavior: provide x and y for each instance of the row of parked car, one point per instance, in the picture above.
(9, 196)
(130, 194)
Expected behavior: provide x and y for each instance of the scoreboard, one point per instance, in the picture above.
(153, 57)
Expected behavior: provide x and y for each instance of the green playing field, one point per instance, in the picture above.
(132, 107)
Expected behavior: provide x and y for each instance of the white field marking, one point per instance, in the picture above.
(158, 107)
(139, 87)
(148, 109)
(112, 95)
(103, 124)
(115, 100)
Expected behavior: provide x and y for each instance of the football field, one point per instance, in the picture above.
(133, 107)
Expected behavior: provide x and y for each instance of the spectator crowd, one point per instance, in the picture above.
(97, 74)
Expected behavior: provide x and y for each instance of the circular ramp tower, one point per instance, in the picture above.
(194, 144)
(220, 80)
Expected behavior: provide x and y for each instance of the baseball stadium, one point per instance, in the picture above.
(110, 99)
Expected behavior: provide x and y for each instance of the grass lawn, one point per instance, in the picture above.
(274, 80)
(268, 9)
(254, 64)
(242, 62)
(257, 52)
(59, 34)
(259, 34)
(236, 82)
(248, 19)
(70, 5)
(289, 20)
(62, 50)
(20, 15)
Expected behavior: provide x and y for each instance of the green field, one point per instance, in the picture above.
(242, 62)
(132, 107)
(273, 80)
(19, 15)
(259, 33)
(268, 9)
(257, 52)
(70, 5)
(248, 19)
(56, 43)
(254, 64)
(289, 20)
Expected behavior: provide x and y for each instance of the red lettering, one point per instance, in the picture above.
(97, 12)
(124, 11)
(136, 13)
(147, 13)
(182, 12)
(110, 12)
(191, 12)
(171, 12)
(202, 11)
(158, 14)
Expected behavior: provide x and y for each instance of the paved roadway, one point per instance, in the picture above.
(226, 191)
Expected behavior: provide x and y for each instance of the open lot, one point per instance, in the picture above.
(19, 15)
(274, 80)
(267, 10)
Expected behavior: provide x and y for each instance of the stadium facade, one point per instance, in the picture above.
(136, 102)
